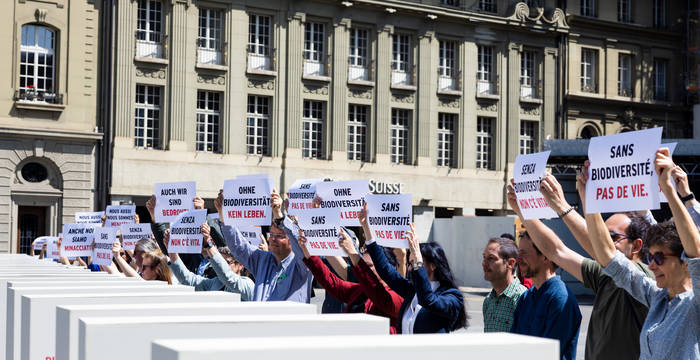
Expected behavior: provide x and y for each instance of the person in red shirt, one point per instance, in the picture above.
(371, 293)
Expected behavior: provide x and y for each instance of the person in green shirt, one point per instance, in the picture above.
(616, 317)
(498, 263)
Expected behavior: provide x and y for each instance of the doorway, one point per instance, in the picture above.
(30, 225)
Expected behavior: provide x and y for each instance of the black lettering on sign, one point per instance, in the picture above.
(318, 220)
(621, 150)
(167, 192)
(246, 190)
(342, 192)
(188, 220)
(390, 206)
(528, 169)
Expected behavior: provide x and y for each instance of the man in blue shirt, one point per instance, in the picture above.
(280, 274)
(548, 309)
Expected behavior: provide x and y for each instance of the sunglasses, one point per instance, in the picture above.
(277, 236)
(658, 257)
(617, 237)
(153, 267)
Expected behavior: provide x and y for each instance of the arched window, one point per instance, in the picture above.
(588, 132)
(37, 60)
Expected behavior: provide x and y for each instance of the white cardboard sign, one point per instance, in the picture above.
(389, 219)
(620, 177)
(77, 239)
(116, 215)
(131, 233)
(39, 242)
(301, 195)
(252, 234)
(270, 183)
(671, 148)
(185, 233)
(89, 217)
(321, 229)
(346, 196)
(247, 202)
(52, 248)
(104, 238)
(528, 172)
(173, 199)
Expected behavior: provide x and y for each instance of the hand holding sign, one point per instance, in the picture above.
(173, 199)
(529, 170)
(186, 234)
(320, 228)
(102, 250)
(554, 194)
(116, 215)
(664, 166)
(247, 202)
(346, 196)
(680, 178)
(89, 217)
(77, 239)
(388, 218)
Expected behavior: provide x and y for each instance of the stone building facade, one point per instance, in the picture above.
(48, 134)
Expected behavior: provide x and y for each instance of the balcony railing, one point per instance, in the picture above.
(449, 83)
(208, 55)
(487, 87)
(38, 97)
(530, 88)
(360, 72)
(588, 88)
(404, 77)
(151, 44)
(316, 68)
(265, 60)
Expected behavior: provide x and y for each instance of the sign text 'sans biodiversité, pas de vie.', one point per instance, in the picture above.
(186, 232)
(172, 199)
(104, 240)
(246, 202)
(132, 233)
(301, 195)
(77, 239)
(321, 227)
(620, 176)
(389, 219)
(346, 196)
(528, 172)
(116, 215)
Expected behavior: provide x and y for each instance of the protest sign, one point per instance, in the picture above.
(52, 251)
(77, 239)
(213, 216)
(270, 183)
(671, 147)
(172, 199)
(321, 227)
(39, 242)
(252, 234)
(185, 233)
(89, 217)
(620, 172)
(346, 196)
(246, 202)
(528, 172)
(102, 252)
(116, 215)
(301, 195)
(389, 218)
(131, 233)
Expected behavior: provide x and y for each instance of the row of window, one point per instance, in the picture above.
(148, 108)
(589, 74)
(624, 11)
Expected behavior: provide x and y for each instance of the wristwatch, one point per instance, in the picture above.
(417, 265)
(690, 196)
(207, 244)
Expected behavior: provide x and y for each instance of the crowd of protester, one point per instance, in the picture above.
(643, 274)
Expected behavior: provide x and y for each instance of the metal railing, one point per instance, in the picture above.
(488, 86)
(404, 78)
(361, 72)
(452, 82)
(530, 88)
(265, 61)
(41, 97)
(211, 56)
(150, 44)
(316, 68)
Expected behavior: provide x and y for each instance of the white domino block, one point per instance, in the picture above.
(42, 309)
(67, 316)
(98, 334)
(405, 347)
(14, 303)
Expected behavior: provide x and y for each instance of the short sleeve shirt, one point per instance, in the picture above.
(498, 309)
(616, 318)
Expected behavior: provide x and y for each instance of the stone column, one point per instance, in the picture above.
(177, 56)
(549, 103)
(124, 93)
(295, 36)
(510, 97)
(383, 92)
(339, 93)
(426, 121)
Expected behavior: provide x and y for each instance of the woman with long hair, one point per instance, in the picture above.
(155, 267)
(432, 301)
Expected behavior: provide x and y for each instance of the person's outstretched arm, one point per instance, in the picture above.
(240, 248)
(546, 240)
(127, 270)
(184, 276)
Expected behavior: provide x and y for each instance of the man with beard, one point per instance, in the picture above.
(548, 309)
(498, 263)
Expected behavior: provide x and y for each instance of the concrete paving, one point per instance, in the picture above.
(475, 298)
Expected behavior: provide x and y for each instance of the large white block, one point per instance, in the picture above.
(14, 304)
(405, 347)
(98, 334)
(42, 308)
(78, 277)
(67, 316)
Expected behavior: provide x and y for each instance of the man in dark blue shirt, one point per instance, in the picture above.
(548, 309)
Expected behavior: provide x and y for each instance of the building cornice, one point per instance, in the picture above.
(51, 133)
(577, 22)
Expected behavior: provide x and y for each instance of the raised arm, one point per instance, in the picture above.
(127, 270)
(234, 283)
(693, 206)
(546, 240)
(241, 249)
(185, 276)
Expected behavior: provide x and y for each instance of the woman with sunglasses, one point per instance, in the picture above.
(672, 327)
(432, 301)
